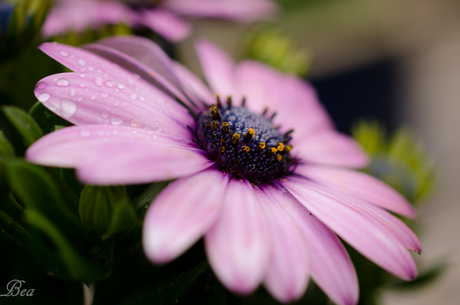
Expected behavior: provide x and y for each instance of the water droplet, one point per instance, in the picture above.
(120, 85)
(68, 108)
(134, 122)
(72, 92)
(81, 85)
(62, 82)
(132, 96)
(116, 90)
(44, 97)
(90, 68)
(147, 128)
(64, 53)
(108, 83)
(80, 99)
(141, 98)
(84, 133)
(105, 114)
(158, 129)
(99, 71)
(82, 75)
(116, 120)
(98, 81)
(81, 62)
(41, 85)
(124, 103)
(115, 104)
(154, 136)
(133, 131)
(92, 98)
(104, 95)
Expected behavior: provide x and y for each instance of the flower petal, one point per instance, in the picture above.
(182, 213)
(193, 86)
(330, 147)
(168, 25)
(360, 228)
(238, 245)
(239, 10)
(359, 185)
(289, 271)
(137, 162)
(331, 266)
(217, 67)
(72, 146)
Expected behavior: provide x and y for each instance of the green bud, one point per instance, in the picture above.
(20, 23)
(271, 46)
(106, 210)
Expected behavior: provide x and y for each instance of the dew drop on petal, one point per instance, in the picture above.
(98, 81)
(72, 92)
(124, 103)
(68, 108)
(108, 83)
(133, 131)
(134, 122)
(115, 104)
(120, 85)
(41, 85)
(80, 99)
(84, 133)
(105, 114)
(81, 85)
(132, 96)
(116, 120)
(154, 137)
(90, 68)
(116, 90)
(82, 75)
(62, 82)
(64, 53)
(81, 62)
(43, 97)
(92, 98)
(99, 71)
(158, 129)
(141, 98)
(104, 95)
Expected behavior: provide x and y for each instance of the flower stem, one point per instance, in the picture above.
(88, 294)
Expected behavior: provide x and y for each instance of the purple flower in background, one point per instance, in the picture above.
(268, 200)
(168, 18)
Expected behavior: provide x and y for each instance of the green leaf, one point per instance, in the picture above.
(142, 202)
(123, 219)
(13, 231)
(424, 278)
(78, 267)
(35, 188)
(168, 291)
(46, 119)
(24, 123)
(6, 149)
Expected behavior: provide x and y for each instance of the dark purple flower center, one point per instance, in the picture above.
(243, 143)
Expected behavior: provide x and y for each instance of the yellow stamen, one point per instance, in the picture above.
(246, 149)
(279, 157)
(274, 150)
(235, 138)
(280, 146)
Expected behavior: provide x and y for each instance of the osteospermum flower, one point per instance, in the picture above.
(261, 172)
(169, 18)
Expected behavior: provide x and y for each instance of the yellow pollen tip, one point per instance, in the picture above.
(280, 146)
(222, 150)
(214, 125)
(274, 150)
(235, 138)
(246, 149)
(262, 145)
(279, 157)
(251, 132)
(288, 148)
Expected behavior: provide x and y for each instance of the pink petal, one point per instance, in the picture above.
(360, 185)
(89, 100)
(331, 148)
(288, 96)
(217, 67)
(193, 86)
(239, 10)
(181, 214)
(163, 22)
(289, 266)
(137, 162)
(357, 226)
(72, 146)
(154, 77)
(238, 245)
(331, 266)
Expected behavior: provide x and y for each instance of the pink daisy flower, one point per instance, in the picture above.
(169, 18)
(270, 202)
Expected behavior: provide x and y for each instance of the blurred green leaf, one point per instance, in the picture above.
(400, 159)
(78, 267)
(425, 277)
(24, 123)
(35, 188)
(6, 149)
(168, 291)
(123, 219)
(13, 231)
(46, 119)
(142, 202)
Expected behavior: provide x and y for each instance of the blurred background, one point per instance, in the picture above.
(398, 62)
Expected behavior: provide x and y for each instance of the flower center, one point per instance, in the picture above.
(243, 143)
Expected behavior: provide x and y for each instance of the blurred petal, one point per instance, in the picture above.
(140, 162)
(163, 22)
(182, 213)
(239, 10)
(238, 245)
(362, 229)
(193, 86)
(331, 266)
(359, 185)
(289, 271)
(217, 67)
(72, 146)
(330, 147)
